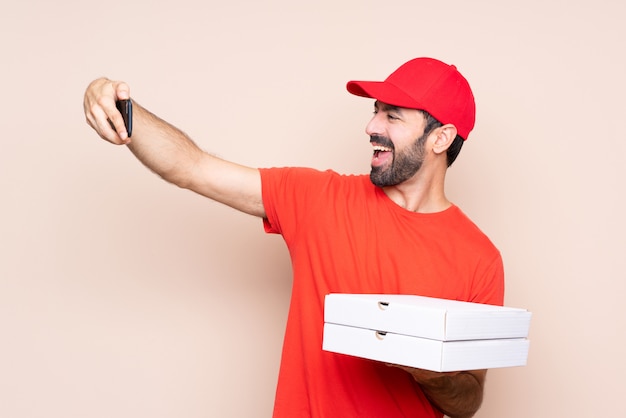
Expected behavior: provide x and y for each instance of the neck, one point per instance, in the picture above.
(423, 193)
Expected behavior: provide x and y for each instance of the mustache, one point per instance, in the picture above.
(382, 140)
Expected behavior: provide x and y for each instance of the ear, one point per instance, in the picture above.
(444, 137)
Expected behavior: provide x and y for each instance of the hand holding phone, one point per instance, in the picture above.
(126, 109)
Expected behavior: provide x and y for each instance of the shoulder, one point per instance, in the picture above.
(468, 236)
(464, 224)
(306, 177)
(292, 195)
(477, 250)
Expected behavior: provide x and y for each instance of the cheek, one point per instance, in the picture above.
(401, 138)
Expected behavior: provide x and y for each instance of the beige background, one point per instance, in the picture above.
(123, 296)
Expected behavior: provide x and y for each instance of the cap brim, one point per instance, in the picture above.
(384, 92)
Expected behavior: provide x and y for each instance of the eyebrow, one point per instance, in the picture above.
(386, 107)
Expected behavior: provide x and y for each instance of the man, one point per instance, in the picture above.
(392, 232)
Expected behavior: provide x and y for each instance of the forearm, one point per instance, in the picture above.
(163, 148)
(458, 395)
(169, 152)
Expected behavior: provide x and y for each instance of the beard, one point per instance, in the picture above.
(404, 164)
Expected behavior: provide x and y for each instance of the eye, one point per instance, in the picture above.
(392, 117)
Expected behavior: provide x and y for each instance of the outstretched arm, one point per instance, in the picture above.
(169, 152)
(456, 394)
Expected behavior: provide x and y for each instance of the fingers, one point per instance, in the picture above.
(122, 90)
(100, 110)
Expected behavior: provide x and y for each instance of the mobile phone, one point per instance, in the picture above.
(126, 109)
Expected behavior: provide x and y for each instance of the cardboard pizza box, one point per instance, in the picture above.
(424, 353)
(425, 317)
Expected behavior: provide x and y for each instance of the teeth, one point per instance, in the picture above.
(381, 148)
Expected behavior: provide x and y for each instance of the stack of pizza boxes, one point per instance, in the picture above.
(427, 333)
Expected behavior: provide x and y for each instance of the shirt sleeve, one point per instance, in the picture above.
(490, 288)
(288, 194)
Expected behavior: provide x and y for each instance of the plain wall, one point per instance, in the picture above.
(124, 296)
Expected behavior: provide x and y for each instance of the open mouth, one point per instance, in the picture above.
(379, 149)
(381, 154)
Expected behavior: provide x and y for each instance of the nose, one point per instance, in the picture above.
(374, 126)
